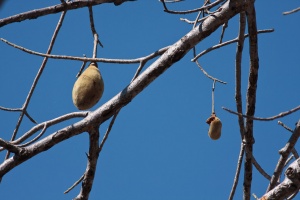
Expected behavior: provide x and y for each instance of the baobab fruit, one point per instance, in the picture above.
(215, 127)
(88, 88)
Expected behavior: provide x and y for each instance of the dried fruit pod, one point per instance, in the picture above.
(215, 127)
(88, 88)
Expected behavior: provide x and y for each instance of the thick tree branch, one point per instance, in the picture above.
(251, 98)
(71, 5)
(172, 55)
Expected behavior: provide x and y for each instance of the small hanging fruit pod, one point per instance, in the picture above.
(215, 126)
(88, 88)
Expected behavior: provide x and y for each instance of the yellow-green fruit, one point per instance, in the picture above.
(215, 127)
(88, 88)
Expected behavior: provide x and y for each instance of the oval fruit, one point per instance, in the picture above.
(88, 88)
(215, 127)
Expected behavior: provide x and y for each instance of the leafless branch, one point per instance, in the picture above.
(74, 185)
(227, 43)
(81, 68)
(36, 138)
(290, 186)
(251, 98)
(19, 110)
(280, 115)
(206, 74)
(71, 5)
(85, 59)
(260, 169)
(292, 11)
(237, 172)
(294, 152)
(89, 174)
(284, 156)
(285, 126)
(171, 1)
(225, 25)
(193, 10)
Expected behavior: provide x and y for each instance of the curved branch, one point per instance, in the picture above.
(280, 115)
(227, 43)
(85, 59)
(71, 5)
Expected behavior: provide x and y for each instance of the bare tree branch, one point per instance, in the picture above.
(284, 153)
(227, 43)
(89, 174)
(291, 184)
(238, 71)
(251, 98)
(292, 11)
(237, 172)
(71, 5)
(85, 59)
(191, 11)
(280, 115)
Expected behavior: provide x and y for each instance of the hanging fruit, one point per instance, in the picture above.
(215, 126)
(88, 88)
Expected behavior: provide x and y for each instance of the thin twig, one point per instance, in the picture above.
(193, 22)
(19, 110)
(81, 68)
(294, 151)
(259, 168)
(36, 138)
(225, 25)
(206, 74)
(75, 184)
(193, 10)
(108, 130)
(94, 32)
(227, 43)
(285, 126)
(292, 11)
(104, 60)
(280, 115)
(237, 172)
(172, 1)
(288, 160)
(213, 97)
(139, 69)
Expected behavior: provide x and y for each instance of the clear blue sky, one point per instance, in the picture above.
(158, 147)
